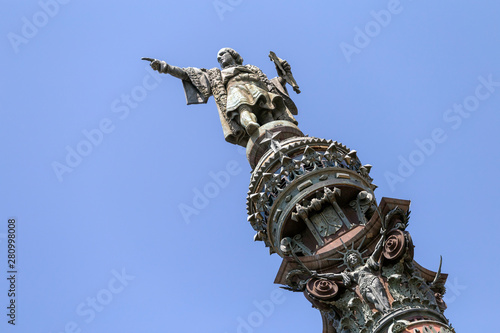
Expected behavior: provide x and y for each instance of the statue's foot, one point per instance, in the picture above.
(251, 127)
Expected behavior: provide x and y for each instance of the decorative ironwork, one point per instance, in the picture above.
(322, 289)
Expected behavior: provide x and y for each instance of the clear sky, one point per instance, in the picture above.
(99, 154)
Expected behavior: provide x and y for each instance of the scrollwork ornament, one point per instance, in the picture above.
(322, 289)
(399, 326)
(398, 244)
(295, 279)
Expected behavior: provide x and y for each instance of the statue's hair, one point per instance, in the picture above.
(236, 56)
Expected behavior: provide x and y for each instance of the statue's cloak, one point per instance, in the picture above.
(203, 83)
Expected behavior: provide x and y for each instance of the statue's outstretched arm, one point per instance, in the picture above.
(163, 67)
(373, 260)
(378, 248)
(347, 278)
(331, 276)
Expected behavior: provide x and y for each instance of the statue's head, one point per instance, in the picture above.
(228, 57)
(353, 260)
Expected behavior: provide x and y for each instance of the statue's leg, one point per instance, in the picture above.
(370, 298)
(379, 299)
(248, 119)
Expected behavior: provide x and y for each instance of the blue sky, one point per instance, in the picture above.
(99, 153)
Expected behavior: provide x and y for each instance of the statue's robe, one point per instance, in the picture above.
(236, 86)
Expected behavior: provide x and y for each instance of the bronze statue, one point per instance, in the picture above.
(245, 97)
(363, 274)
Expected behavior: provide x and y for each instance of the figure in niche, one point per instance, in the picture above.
(245, 97)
